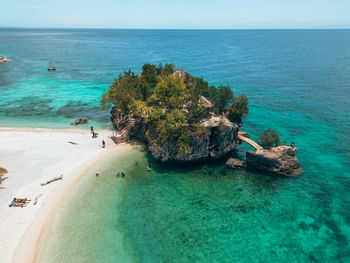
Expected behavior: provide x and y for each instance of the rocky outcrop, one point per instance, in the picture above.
(235, 163)
(133, 127)
(80, 121)
(279, 160)
(218, 137)
(171, 152)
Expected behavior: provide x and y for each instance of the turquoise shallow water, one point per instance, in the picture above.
(297, 82)
(87, 227)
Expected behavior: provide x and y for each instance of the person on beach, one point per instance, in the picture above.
(103, 144)
(92, 129)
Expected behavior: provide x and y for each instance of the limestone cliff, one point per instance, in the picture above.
(219, 137)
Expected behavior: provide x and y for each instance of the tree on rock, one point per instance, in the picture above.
(224, 97)
(238, 109)
(269, 139)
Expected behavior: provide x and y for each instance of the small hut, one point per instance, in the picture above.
(182, 75)
(179, 74)
(208, 104)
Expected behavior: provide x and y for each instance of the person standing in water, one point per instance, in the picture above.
(103, 144)
(92, 129)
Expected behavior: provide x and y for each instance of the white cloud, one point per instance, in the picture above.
(255, 20)
(199, 20)
(30, 6)
(73, 19)
(303, 20)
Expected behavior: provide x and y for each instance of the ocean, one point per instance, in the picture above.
(297, 82)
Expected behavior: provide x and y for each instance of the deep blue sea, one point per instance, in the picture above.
(297, 81)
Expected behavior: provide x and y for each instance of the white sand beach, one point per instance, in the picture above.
(33, 156)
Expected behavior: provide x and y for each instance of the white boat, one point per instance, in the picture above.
(3, 59)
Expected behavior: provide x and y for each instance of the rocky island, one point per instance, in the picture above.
(280, 160)
(182, 118)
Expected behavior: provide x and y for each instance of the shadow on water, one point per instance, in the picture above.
(37, 107)
(30, 106)
(74, 109)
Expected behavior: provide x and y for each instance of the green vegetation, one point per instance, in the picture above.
(269, 139)
(170, 102)
(238, 109)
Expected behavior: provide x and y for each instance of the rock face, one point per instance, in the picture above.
(280, 160)
(218, 138)
(129, 125)
(235, 163)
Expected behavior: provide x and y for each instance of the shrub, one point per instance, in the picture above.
(224, 96)
(238, 109)
(269, 139)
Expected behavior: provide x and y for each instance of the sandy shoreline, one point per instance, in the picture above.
(33, 156)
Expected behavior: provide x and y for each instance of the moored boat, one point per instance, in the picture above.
(3, 59)
(51, 67)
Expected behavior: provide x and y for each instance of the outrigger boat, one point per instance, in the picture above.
(4, 59)
(51, 67)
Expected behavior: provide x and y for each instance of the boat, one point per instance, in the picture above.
(51, 67)
(3, 59)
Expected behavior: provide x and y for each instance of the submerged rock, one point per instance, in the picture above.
(80, 121)
(235, 163)
(280, 160)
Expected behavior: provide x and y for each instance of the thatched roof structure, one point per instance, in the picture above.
(179, 74)
(182, 75)
(207, 103)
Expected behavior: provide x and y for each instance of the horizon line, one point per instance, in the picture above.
(116, 28)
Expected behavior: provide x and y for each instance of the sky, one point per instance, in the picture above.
(176, 14)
